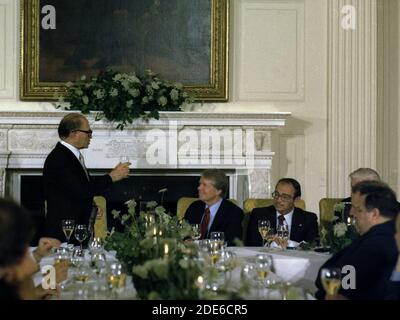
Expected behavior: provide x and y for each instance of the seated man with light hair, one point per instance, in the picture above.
(357, 176)
(360, 175)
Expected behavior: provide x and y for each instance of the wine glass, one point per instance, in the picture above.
(219, 237)
(331, 280)
(99, 263)
(263, 265)
(116, 278)
(62, 255)
(247, 274)
(95, 245)
(283, 234)
(264, 227)
(123, 159)
(81, 233)
(68, 228)
(196, 234)
(214, 250)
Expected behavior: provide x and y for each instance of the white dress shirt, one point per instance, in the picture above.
(213, 212)
(73, 149)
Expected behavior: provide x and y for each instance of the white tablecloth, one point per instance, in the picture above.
(295, 266)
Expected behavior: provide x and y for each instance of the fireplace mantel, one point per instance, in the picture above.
(27, 137)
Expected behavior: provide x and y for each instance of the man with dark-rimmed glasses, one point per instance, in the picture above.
(302, 225)
(68, 187)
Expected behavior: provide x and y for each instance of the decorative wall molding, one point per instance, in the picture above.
(268, 67)
(352, 93)
(388, 92)
(7, 49)
(292, 156)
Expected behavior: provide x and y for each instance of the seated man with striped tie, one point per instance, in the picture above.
(302, 225)
(68, 186)
(212, 211)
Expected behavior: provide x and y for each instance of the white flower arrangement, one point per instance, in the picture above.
(340, 229)
(122, 97)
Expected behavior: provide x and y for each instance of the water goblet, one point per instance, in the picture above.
(81, 233)
(196, 234)
(95, 245)
(283, 235)
(331, 280)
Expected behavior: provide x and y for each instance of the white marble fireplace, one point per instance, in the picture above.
(180, 142)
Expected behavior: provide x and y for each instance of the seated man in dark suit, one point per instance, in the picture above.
(360, 175)
(212, 211)
(303, 225)
(393, 288)
(374, 254)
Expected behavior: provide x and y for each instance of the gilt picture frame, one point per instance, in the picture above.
(183, 41)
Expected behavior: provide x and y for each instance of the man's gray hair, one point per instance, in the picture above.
(365, 174)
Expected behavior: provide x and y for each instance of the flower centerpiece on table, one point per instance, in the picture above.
(162, 264)
(121, 97)
(339, 232)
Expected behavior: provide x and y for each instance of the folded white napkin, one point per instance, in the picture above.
(291, 243)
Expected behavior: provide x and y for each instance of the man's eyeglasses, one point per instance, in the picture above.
(88, 132)
(285, 197)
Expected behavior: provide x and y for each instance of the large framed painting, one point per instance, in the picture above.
(181, 40)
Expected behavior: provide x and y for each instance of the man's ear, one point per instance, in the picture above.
(375, 213)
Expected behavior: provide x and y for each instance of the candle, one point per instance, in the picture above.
(166, 249)
(200, 282)
(155, 232)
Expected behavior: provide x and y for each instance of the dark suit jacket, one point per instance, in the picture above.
(304, 225)
(374, 256)
(68, 192)
(228, 219)
(7, 291)
(393, 290)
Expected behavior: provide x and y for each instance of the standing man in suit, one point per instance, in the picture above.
(303, 225)
(212, 211)
(374, 254)
(68, 187)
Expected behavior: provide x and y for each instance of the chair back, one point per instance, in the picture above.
(326, 206)
(100, 226)
(250, 204)
(185, 202)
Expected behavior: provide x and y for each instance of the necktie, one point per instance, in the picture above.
(281, 220)
(82, 161)
(204, 223)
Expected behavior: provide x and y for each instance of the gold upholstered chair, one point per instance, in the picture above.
(100, 226)
(184, 203)
(326, 206)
